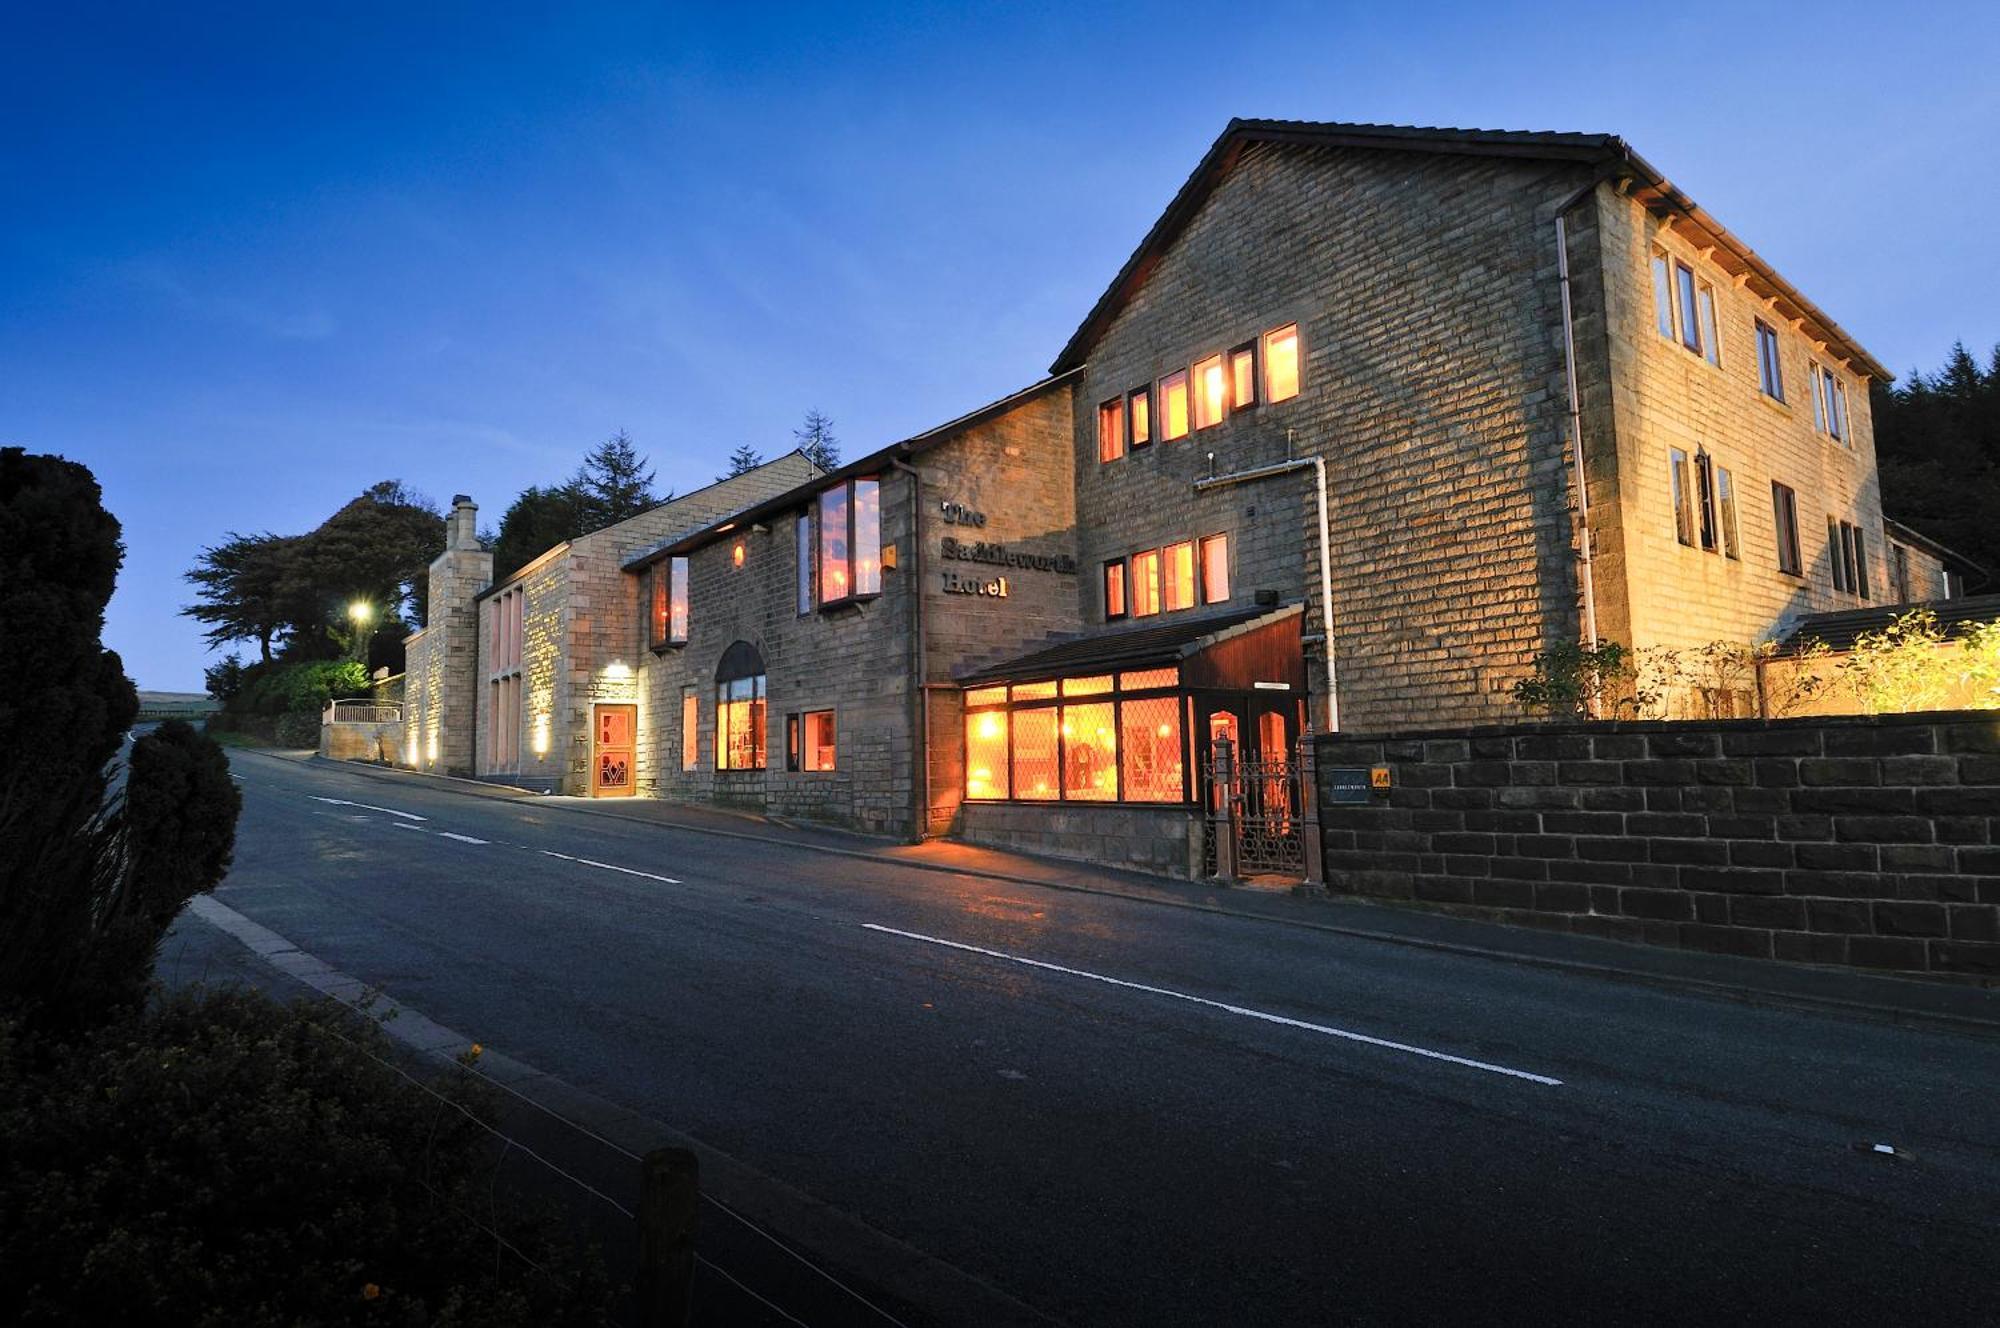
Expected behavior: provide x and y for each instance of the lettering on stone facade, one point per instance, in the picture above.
(961, 515)
(993, 588)
(999, 555)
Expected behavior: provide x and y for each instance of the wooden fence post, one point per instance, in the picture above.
(669, 1185)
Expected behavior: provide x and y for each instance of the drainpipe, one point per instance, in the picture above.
(1318, 466)
(920, 709)
(1584, 573)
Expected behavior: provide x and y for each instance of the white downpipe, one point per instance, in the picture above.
(1584, 571)
(1325, 561)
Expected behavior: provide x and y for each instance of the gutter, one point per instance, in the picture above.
(1318, 465)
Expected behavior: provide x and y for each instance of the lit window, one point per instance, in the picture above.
(1663, 296)
(850, 541)
(1145, 678)
(1093, 686)
(1243, 377)
(1281, 363)
(1770, 372)
(1785, 517)
(1725, 499)
(819, 740)
(1034, 691)
(1214, 569)
(739, 709)
(1211, 392)
(1036, 777)
(690, 729)
(1145, 588)
(677, 600)
(1150, 749)
(1089, 753)
(1677, 461)
(986, 754)
(1174, 405)
(986, 696)
(1139, 415)
(1111, 430)
(657, 616)
(807, 564)
(1178, 572)
(1114, 589)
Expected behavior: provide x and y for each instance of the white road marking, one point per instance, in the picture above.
(405, 825)
(387, 811)
(1245, 1011)
(607, 866)
(463, 839)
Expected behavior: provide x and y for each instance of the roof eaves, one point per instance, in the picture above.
(1942, 552)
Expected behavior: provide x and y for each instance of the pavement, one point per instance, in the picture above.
(969, 1087)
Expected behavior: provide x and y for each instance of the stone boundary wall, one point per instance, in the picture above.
(1864, 841)
(1163, 840)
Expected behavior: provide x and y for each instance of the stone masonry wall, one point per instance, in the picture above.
(1657, 395)
(1163, 841)
(1872, 842)
(1424, 287)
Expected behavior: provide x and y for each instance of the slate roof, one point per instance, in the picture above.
(1838, 630)
(1152, 646)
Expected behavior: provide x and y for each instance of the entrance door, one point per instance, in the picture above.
(613, 773)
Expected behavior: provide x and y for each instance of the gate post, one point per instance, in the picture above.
(1222, 810)
(1315, 847)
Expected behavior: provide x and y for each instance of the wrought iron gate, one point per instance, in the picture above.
(1258, 813)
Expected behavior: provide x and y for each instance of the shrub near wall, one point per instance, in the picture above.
(1867, 841)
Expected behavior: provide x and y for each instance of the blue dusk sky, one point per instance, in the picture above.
(256, 257)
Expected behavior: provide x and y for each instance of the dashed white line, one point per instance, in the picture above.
(1245, 1011)
(368, 807)
(405, 825)
(463, 839)
(608, 866)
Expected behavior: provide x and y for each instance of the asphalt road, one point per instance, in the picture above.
(1127, 1114)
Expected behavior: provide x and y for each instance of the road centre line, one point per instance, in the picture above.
(1245, 1011)
(463, 839)
(607, 866)
(369, 807)
(405, 825)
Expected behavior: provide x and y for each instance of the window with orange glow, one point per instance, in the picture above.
(1281, 363)
(1089, 753)
(1144, 678)
(1034, 691)
(1179, 576)
(1174, 405)
(1214, 569)
(986, 754)
(1139, 414)
(1243, 377)
(1114, 589)
(986, 696)
(690, 728)
(1086, 686)
(1150, 741)
(819, 740)
(1111, 430)
(656, 614)
(739, 709)
(850, 541)
(1035, 775)
(1145, 583)
(1211, 392)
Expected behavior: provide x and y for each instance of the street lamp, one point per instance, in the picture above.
(361, 613)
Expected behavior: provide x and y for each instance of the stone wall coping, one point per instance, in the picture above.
(1534, 729)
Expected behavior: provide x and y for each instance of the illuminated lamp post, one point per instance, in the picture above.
(362, 614)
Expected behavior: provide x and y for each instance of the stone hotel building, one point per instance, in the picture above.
(1371, 417)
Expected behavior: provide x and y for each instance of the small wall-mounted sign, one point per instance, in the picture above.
(1379, 777)
(1272, 686)
(1348, 785)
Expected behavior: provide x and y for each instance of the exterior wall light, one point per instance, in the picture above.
(736, 554)
(541, 738)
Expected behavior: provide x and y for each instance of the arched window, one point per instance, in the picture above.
(739, 709)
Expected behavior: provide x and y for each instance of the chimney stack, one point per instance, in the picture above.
(462, 528)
